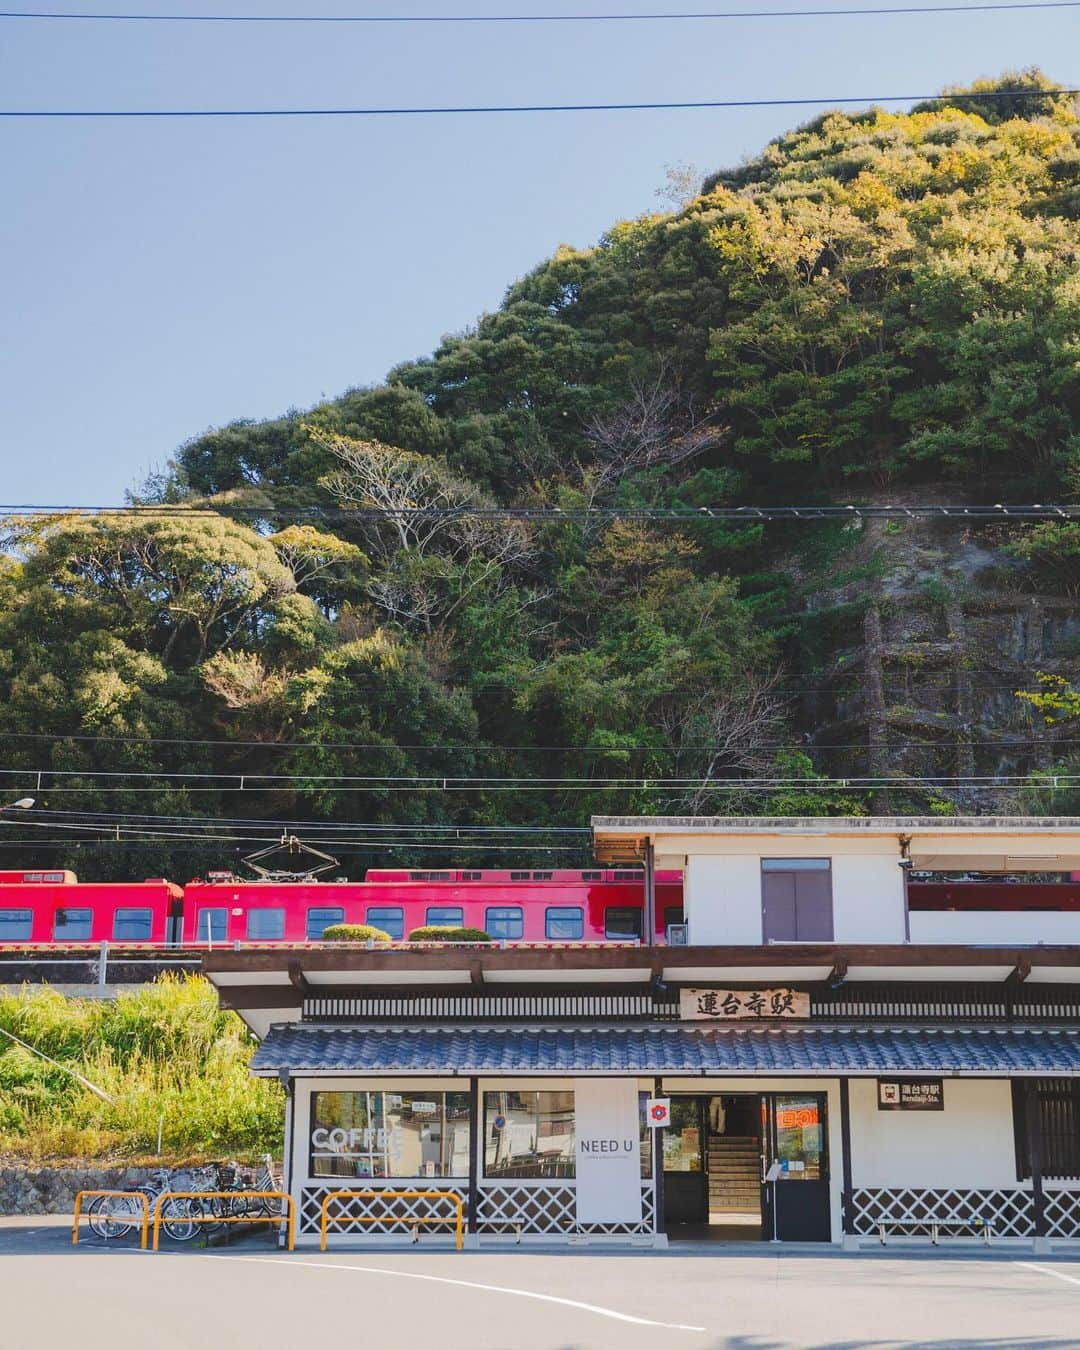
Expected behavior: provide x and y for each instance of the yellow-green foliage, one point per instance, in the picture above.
(165, 1053)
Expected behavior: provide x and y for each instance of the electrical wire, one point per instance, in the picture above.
(507, 108)
(741, 514)
(675, 16)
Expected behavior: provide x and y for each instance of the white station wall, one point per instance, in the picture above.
(723, 895)
(868, 898)
(969, 1144)
(722, 899)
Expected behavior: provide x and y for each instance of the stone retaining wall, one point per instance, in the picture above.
(52, 1190)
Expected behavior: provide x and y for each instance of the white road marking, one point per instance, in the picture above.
(464, 1284)
(1045, 1270)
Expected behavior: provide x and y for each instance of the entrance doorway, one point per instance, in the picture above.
(720, 1148)
(712, 1167)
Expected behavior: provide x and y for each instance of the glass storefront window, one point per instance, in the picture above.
(682, 1138)
(799, 1137)
(529, 1134)
(390, 1134)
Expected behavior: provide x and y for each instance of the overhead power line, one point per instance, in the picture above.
(421, 19)
(864, 100)
(742, 514)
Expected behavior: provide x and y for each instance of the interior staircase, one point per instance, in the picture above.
(734, 1175)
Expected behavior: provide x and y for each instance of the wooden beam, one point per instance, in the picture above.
(297, 978)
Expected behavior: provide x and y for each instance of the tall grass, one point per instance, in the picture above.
(165, 1053)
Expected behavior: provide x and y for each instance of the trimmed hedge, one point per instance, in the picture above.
(435, 933)
(354, 932)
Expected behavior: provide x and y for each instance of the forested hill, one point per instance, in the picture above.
(878, 307)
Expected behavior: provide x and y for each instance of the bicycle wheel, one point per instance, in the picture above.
(177, 1216)
(114, 1216)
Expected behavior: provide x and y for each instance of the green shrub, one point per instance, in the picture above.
(354, 932)
(435, 933)
(166, 1054)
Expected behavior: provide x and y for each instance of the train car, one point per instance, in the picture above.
(521, 905)
(1007, 896)
(71, 911)
(229, 909)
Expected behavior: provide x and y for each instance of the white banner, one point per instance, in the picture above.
(608, 1150)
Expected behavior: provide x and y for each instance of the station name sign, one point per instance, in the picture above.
(910, 1094)
(742, 1005)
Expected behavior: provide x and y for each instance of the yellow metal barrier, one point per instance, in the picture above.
(144, 1222)
(290, 1217)
(458, 1221)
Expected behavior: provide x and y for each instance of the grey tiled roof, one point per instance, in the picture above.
(309, 1048)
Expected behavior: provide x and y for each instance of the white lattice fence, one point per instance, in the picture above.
(1063, 1214)
(1008, 1213)
(550, 1209)
(392, 1215)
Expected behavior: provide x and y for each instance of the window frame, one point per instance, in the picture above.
(399, 910)
(562, 911)
(58, 927)
(515, 910)
(209, 935)
(459, 922)
(339, 910)
(378, 1111)
(27, 919)
(609, 936)
(133, 909)
(261, 911)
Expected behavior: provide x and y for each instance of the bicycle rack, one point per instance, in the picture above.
(127, 1195)
(289, 1215)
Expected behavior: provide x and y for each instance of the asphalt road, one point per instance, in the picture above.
(53, 1297)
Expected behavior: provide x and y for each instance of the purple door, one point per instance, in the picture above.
(796, 900)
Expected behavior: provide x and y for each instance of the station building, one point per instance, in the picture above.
(827, 1064)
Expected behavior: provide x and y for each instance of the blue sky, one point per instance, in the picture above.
(160, 278)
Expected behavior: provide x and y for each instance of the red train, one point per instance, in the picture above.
(526, 905)
(521, 905)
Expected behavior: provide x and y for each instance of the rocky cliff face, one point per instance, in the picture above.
(912, 650)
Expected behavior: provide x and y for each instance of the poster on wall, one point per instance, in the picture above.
(608, 1150)
(910, 1094)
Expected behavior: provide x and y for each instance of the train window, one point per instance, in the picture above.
(16, 925)
(592, 876)
(318, 920)
(673, 914)
(445, 916)
(520, 876)
(542, 876)
(72, 925)
(431, 876)
(132, 925)
(390, 918)
(504, 921)
(471, 876)
(622, 923)
(213, 925)
(266, 923)
(564, 923)
(627, 876)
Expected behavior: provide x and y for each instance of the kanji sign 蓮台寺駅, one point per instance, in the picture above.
(734, 1005)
